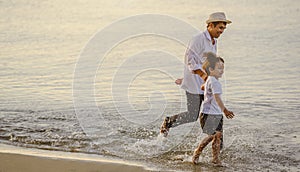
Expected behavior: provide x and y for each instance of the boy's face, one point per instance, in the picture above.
(218, 71)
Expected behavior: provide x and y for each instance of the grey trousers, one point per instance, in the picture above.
(194, 102)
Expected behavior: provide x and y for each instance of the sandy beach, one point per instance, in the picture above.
(17, 159)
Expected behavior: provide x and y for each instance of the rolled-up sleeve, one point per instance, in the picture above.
(193, 52)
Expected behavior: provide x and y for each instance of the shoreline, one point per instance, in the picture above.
(19, 159)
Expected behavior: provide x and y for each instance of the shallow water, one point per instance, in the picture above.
(55, 96)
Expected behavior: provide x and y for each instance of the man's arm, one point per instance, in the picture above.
(194, 61)
(201, 73)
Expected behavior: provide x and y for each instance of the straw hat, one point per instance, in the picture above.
(216, 17)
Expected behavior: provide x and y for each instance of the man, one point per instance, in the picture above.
(193, 72)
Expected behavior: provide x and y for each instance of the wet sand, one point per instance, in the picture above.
(16, 159)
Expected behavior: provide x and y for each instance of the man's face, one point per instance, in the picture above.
(217, 30)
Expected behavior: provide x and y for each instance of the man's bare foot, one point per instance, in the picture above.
(165, 126)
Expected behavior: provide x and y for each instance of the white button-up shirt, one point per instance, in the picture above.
(200, 44)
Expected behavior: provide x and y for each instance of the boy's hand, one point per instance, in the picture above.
(228, 113)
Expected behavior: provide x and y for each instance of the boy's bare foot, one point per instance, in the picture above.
(216, 162)
(195, 158)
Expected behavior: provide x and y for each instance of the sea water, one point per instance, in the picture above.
(98, 77)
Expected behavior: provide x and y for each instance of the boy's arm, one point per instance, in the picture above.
(219, 101)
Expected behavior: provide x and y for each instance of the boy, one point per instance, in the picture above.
(211, 118)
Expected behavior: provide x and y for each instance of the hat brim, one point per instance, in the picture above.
(226, 21)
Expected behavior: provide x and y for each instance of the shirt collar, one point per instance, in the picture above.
(207, 35)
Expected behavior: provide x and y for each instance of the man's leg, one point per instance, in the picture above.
(193, 106)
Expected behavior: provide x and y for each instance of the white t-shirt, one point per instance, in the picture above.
(209, 105)
(200, 44)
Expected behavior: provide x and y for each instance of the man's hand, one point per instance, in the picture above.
(178, 81)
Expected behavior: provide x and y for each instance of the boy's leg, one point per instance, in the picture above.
(216, 144)
(193, 105)
(200, 148)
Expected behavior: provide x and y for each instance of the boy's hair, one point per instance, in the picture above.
(210, 62)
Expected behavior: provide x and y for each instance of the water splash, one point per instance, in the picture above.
(148, 148)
